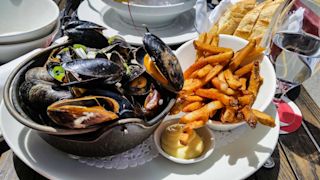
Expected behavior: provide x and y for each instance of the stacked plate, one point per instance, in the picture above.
(174, 25)
(26, 25)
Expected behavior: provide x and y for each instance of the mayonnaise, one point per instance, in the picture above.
(170, 143)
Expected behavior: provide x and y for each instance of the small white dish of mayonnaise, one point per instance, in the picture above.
(199, 146)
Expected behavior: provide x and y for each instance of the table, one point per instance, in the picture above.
(297, 155)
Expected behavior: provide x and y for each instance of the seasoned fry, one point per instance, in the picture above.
(204, 71)
(244, 70)
(243, 82)
(210, 49)
(256, 54)
(193, 98)
(215, 41)
(216, 95)
(264, 118)
(247, 115)
(220, 58)
(192, 106)
(222, 78)
(228, 115)
(209, 38)
(231, 80)
(210, 60)
(222, 86)
(202, 38)
(246, 100)
(255, 79)
(214, 71)
(192, 84)
(241, 55)
(202, 113)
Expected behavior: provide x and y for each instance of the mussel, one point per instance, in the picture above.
(162, 64)
(41, 94)
(94, 70)
(83, 112)
(86, 33)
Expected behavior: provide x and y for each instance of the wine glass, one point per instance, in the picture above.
(295, 54)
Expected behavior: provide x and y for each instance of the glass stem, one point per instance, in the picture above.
(282, 89)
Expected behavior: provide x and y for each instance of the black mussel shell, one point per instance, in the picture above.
(165, 60)
(41, 94)
(126, 110)
(95, 68)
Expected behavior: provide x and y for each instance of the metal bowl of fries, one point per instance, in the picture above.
(228, 83)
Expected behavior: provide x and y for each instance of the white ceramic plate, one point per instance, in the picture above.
(237, 160)
(26, 20)
(179, 31)
(187, 54)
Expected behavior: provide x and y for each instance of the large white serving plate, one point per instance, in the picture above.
(179, 31)
(236, 160)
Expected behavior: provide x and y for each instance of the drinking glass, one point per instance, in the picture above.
(295, 54)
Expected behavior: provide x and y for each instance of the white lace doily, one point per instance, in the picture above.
(147, 151)
(137, 156)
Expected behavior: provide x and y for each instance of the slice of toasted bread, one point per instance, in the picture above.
(248, 21)
(230, 20)
(264, 20)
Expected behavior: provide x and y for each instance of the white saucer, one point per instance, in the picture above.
(179, 31)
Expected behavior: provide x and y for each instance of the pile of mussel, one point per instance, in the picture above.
(93, 80)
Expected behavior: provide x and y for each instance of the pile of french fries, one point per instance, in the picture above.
(221, 85)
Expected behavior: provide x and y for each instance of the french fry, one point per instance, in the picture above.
(204, 71)
(214, 71)
(241, 55)
(247, 115)
(244, 70)
(220, 58)
(202, 38)
(194, 75)
(209, 60)
(243, 82)
(228, 115)
(215, 40)
(231, 80)
(222, 86)
(193, 98)
(255, 79)
(216, 95)
(264, 118)
(202, 113)
(208, 48)
(195, 124)
(192, 106)
(209, 38)
(222, 78)
(192, 84)
(246, 100)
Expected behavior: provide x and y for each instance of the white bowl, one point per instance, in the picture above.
(205, 133)
(187, 54)
(152, 16)
(25, 20)
(12, 51)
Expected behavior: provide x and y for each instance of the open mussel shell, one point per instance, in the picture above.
(165, 61)
(83, 112)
